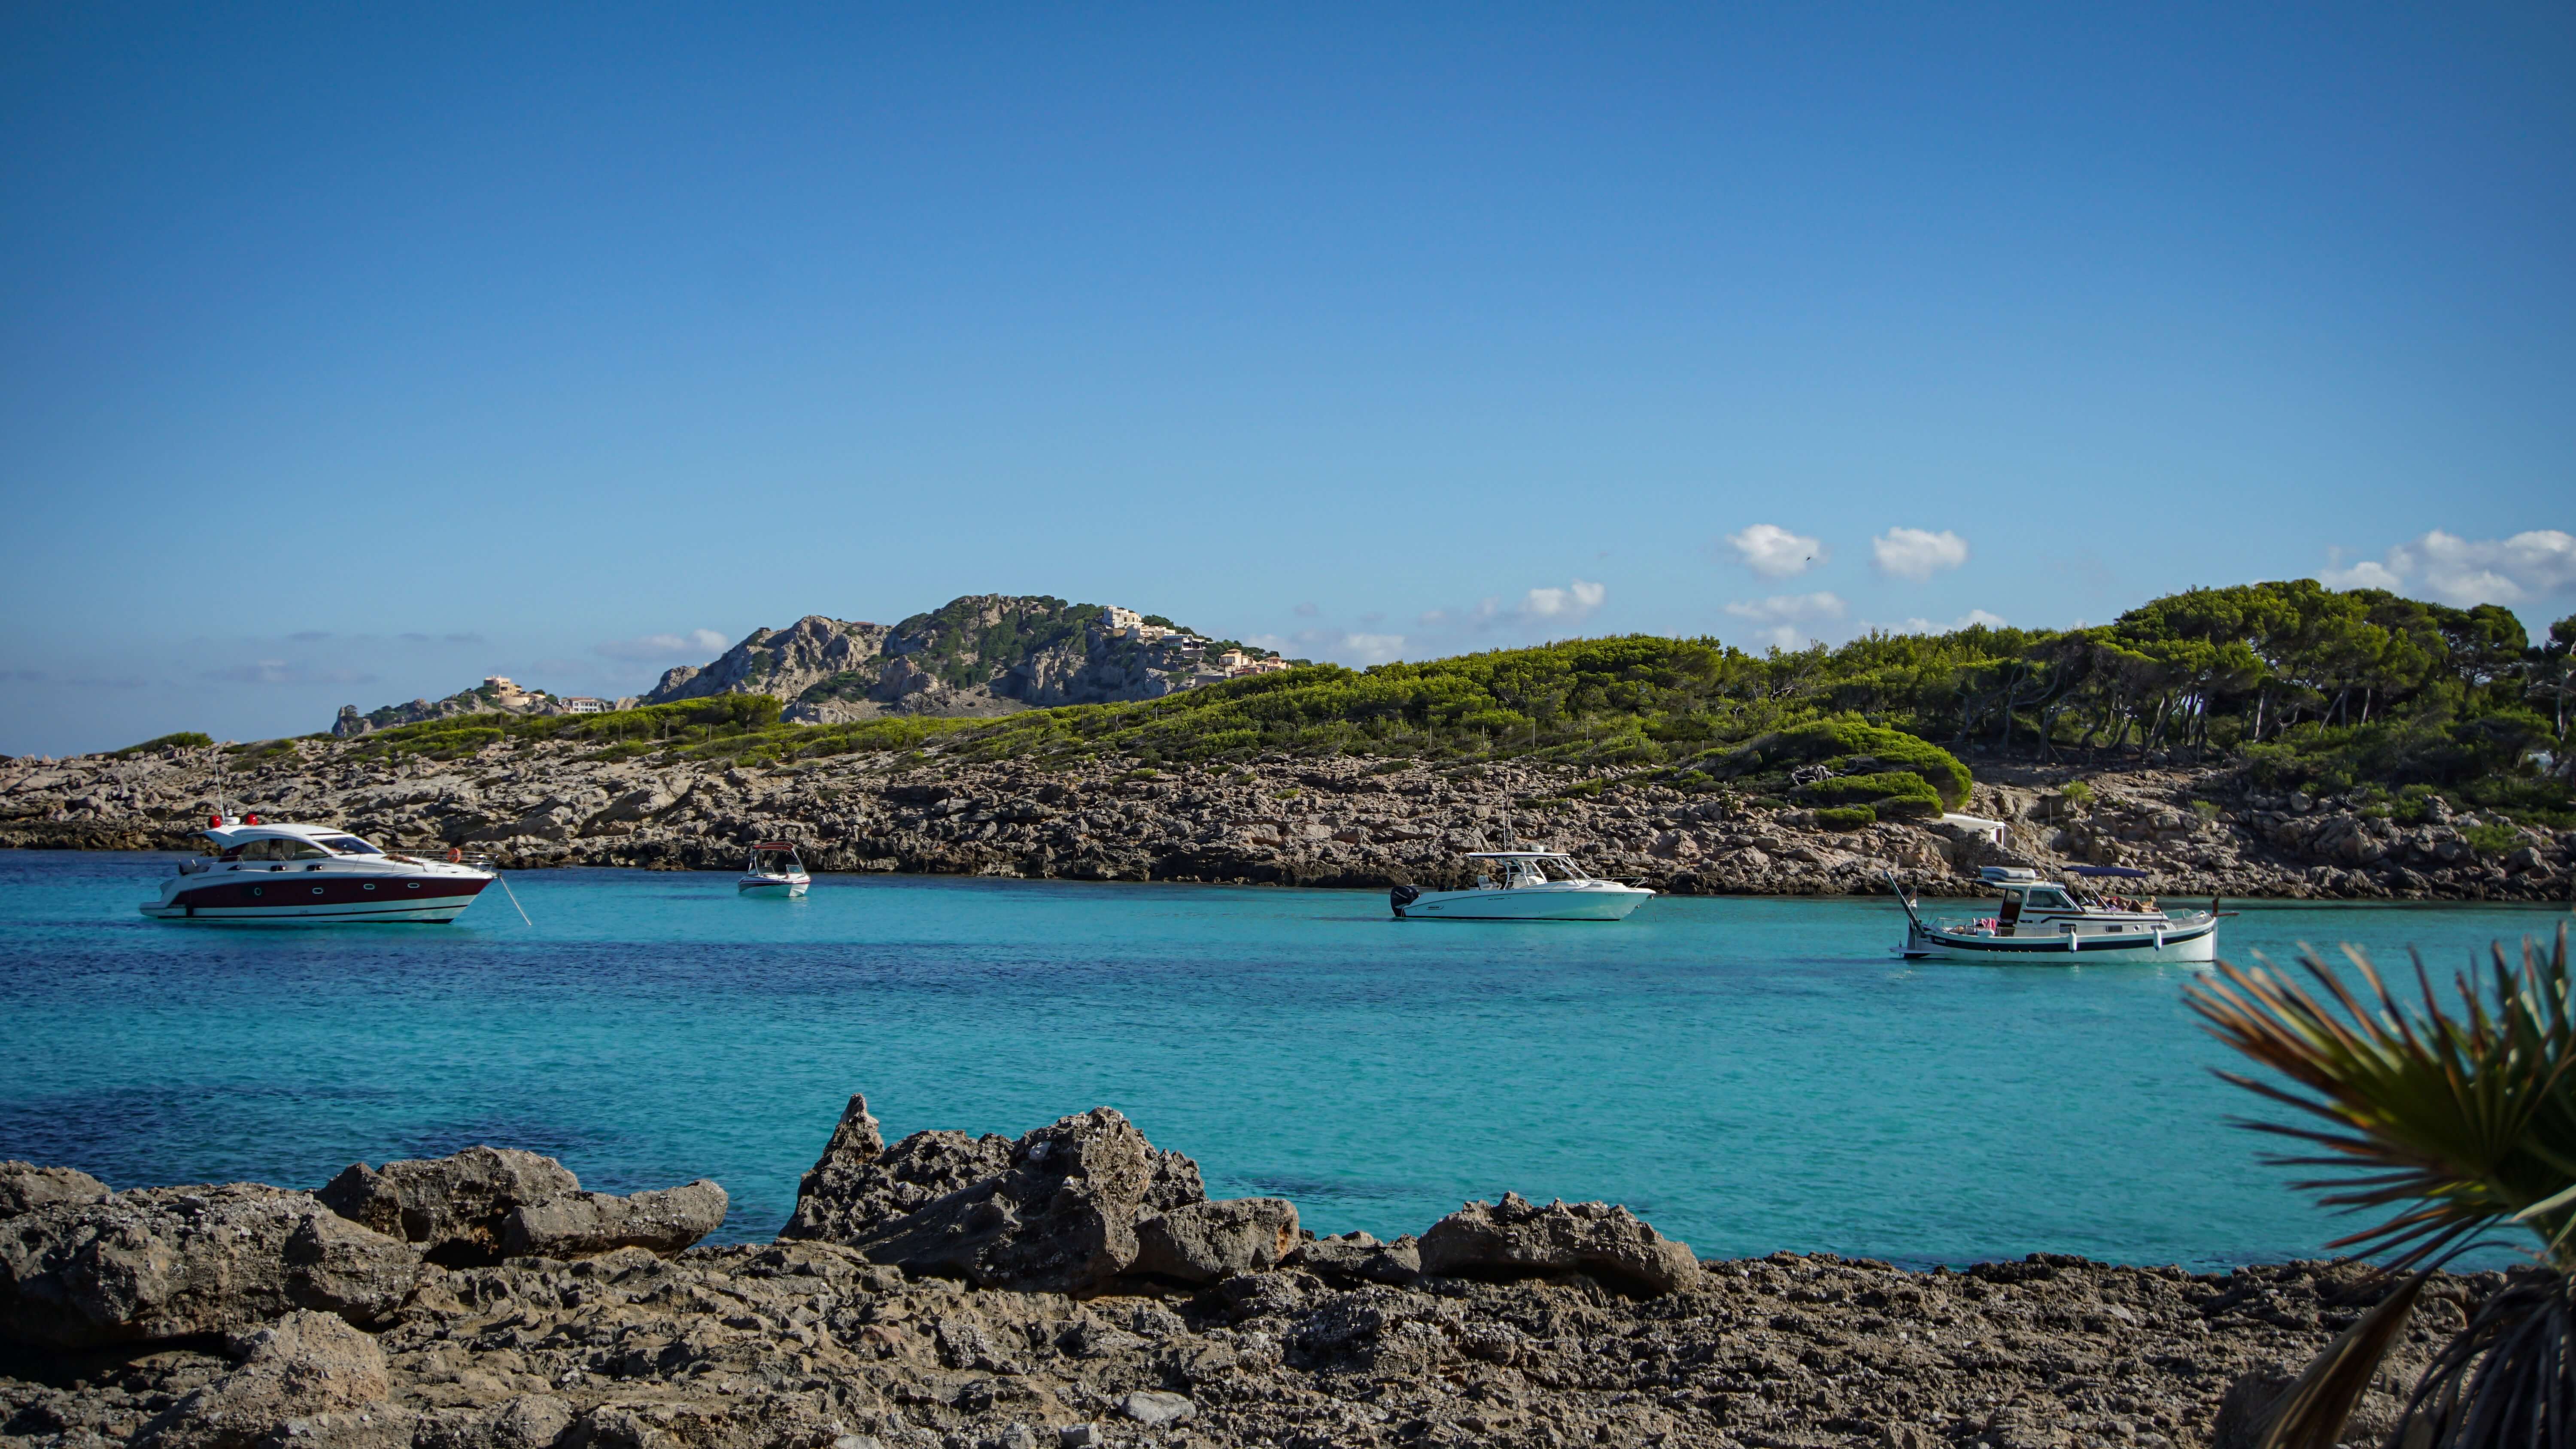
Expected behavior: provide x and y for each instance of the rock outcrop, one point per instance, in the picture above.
(580, 1224)
(858, 1185)
(1202, 1242)
(455, 1207)
(307, 1369)
(25, 1187)
(170, 1262)
(1060, 1216)
(1357, 1257)
(981, 654)
(486, 1203)
(1516, 1237)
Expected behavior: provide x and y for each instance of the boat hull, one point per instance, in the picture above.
(771, 886)
(2196, 943)
(1591, 903)
(288, 900)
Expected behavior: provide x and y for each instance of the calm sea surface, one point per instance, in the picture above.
(1748, 1074)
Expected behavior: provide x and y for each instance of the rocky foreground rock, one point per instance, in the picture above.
(1189, 1321)
(1347, 821)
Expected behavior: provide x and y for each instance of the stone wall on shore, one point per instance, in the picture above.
(1345, 821)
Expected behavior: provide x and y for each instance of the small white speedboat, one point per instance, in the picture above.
(1523, 885)
(268, 874)
(773, 870)
(2047, 923)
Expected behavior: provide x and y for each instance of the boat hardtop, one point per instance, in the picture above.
(2036, 915)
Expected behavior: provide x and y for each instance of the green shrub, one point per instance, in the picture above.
(2493, 840)
(1851, 746)
(1845, 817)
(2205, 809)
(183, 740)
(2077, 792)
(1892, 794)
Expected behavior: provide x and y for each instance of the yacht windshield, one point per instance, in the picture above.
(348, 845)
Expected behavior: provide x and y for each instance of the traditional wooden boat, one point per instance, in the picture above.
(2059, 923)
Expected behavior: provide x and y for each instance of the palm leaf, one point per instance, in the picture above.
(2313, 1412)
(2457, 1115)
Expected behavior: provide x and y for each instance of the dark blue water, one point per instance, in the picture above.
(1748, 1074)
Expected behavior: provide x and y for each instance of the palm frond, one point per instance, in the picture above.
(2314, 1410)
(2457, 1113)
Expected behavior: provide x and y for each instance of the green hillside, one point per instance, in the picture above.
(2305, 687)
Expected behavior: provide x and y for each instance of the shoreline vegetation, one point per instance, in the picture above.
(2272, 740)
(1076, 1287)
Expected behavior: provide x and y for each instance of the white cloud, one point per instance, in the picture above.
(656, 648)
(1339, 646)
(1789, 617)
(1774, 552)
(1968, 620)
(2370, 573)
(2464, 571)
(1916, 553)
(1781, 608)
(1573, 602)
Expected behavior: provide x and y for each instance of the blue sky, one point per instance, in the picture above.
(348, 354)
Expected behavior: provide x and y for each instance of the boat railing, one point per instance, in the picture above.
(443, 854)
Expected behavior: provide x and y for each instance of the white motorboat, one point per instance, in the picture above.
(773, 870)
(2059, 924)
(312, 875)
(1522, 885)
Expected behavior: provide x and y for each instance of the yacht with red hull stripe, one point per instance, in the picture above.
(311, 875)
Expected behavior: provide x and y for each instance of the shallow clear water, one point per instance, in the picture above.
(1748, 1074)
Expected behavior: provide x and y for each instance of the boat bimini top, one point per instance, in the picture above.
(1531, 867)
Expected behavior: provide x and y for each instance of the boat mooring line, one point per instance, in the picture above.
(514, 899)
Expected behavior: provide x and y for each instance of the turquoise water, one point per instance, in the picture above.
(1750, 1075)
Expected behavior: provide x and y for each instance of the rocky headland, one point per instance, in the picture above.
(1344, 821)
(1077, 1287)
(982, 654)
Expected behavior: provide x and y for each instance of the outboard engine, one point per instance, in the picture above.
(1401, 896)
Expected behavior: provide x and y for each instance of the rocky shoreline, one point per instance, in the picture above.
(1076, 1287)
(1345, 821)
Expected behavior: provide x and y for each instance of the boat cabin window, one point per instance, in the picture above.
(2050, 898)
(348, 845)
(277, 848)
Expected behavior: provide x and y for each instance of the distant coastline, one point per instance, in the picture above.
(2266, 741)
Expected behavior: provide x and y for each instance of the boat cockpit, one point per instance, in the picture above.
(1520, 870)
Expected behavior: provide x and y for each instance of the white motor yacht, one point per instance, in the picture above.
(2053, 924)
(773, 870)
(313, 875)
(1523, 885)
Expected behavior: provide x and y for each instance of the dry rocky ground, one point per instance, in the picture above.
(1338, 822)
(1074, 1288)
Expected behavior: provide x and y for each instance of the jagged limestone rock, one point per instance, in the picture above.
(1516, 1236)
(25, 1187)
(169, 1262)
